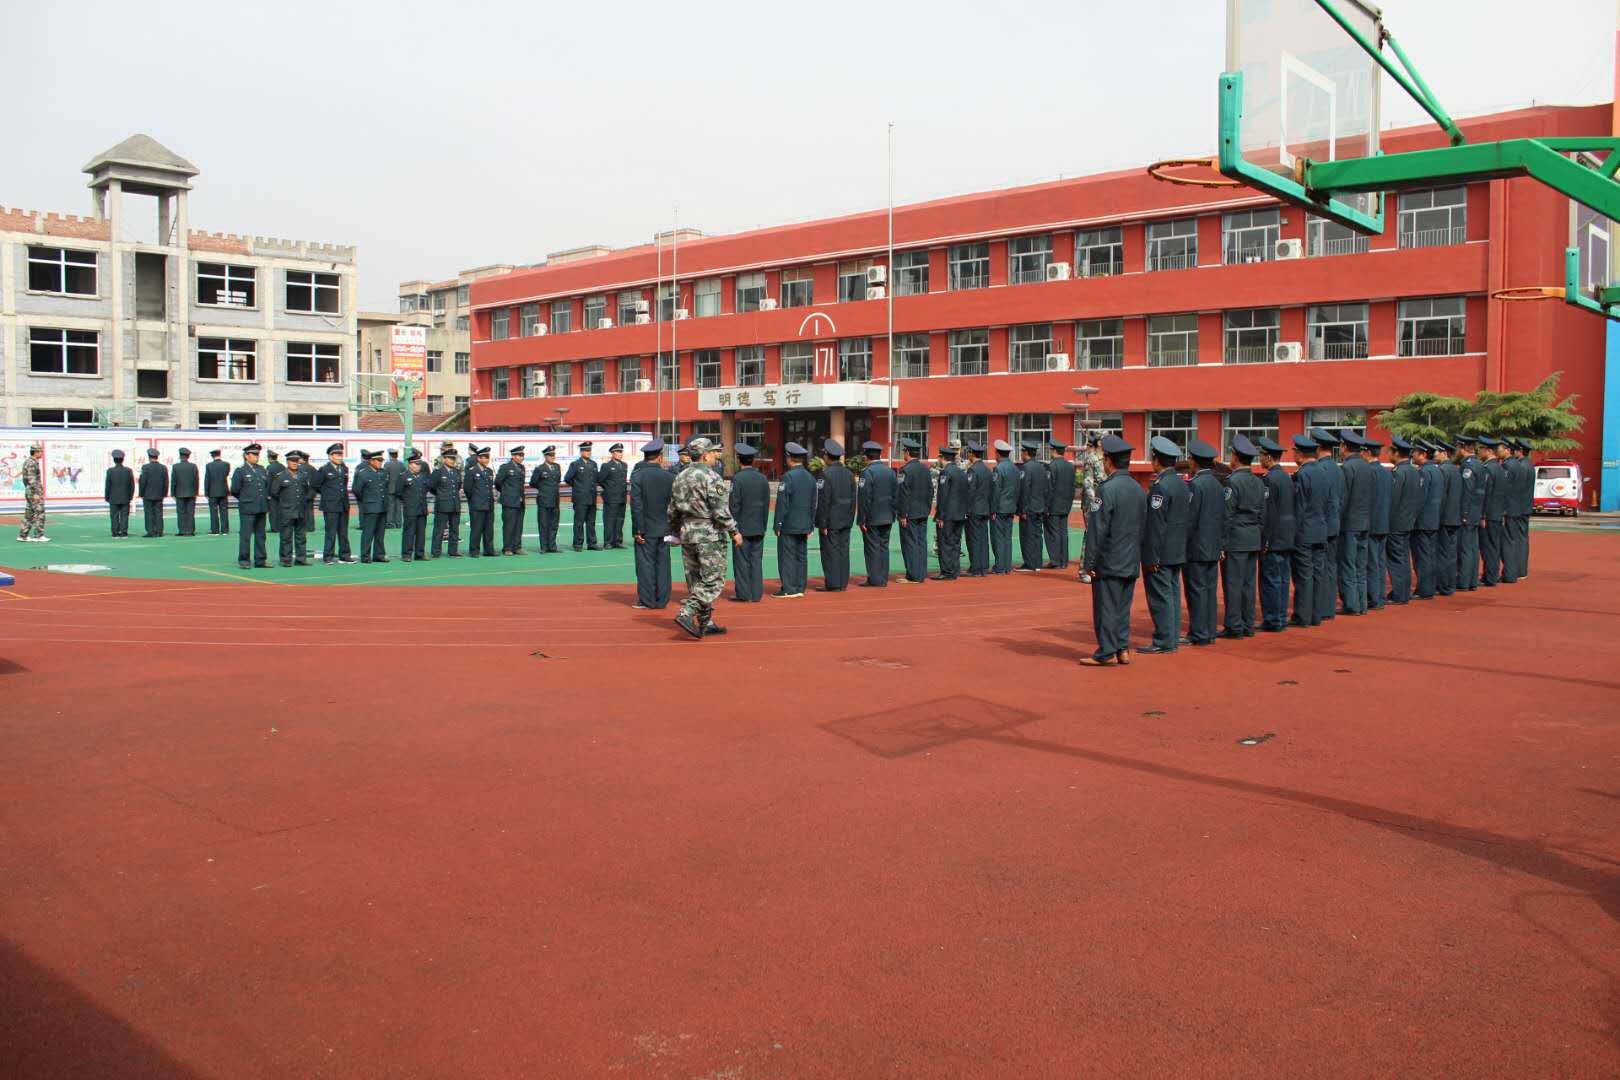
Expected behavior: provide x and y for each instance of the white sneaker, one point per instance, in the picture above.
(42, 539)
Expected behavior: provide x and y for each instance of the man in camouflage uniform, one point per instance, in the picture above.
(1092, 474)
(700, 514)
(33, 477)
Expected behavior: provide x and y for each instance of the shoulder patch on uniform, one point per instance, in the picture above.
(1157, 501)
(1268, 493)
(1226, 493)
(1468, 473)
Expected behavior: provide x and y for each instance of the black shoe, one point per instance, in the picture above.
(1272, 629)
(871, 585)
(245, 566)
(380, 558)
(1229, 634)
(713, 629)
(736, 600)
(1050, 566)
(1154, 649)
(1248, 633)
(576, 548)
(350, 559)
(1203, 644)
(301, 562)
(687, 624)
(454, 555)
(592, 547)
(261, 566)
(1295, 620)
(1183, 640)
(286, 562)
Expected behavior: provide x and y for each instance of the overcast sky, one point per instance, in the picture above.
(444, 136)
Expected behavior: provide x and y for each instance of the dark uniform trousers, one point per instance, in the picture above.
(1445, 560)
(118, 513)
(373, 527)
(1164, 604)
(948, 548)
(1524, 546)
(875, 547)
(1513, 531)
(512, 528)
(1238, 575)
(652, 571)
(413, 537)
(978, 546)
(1374, 573)
(1031, 533)
(547, 519)
(835, 558)
(1423, 561)
(584, 526)
(446, 523)
(1490, 547)
(1274, 589)
(153, 509)
(1326, 589)
(293, 544)
(1001, 543)
(1397, 551)
(336, 542)
(613, 524)
(250, 538)
(1468, 557)
(1111, 599)
(748, 569)
(1057, 539)
(396, 510)
(914, 548)
(1199, 578)
(481, 536)
(185, 514)
(793, 561)
(1352, 588)
(1306, 564)
(219, 515)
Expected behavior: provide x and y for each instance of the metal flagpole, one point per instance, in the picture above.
(675, 302)
(893, 282)
(658, 348)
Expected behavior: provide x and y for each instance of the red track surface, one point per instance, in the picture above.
(883, 833)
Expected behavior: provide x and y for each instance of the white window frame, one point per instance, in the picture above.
(855, 359)
(852, 280)
(528, 320)
(320, 284)
(562, 317)
(1099, 252)
(668, 368)
(59, 261)
(1329, 320)
(911, 353)
(1250, 335)
(1027, 258)
(1169, 423)
(1172, 245)
(628, 299)
(1027, 348)
(226, 352)
(750, 365)
(795, 281)
(1250, 236)
(1172, 340)
(629, 373)
(315, 422)
(1425, 312)
(229, 421)
(463, 363)
(560, 378)
(962, 428)
(1089, 334)
(1107, 423)
(500, 383)
(970, 349)
(750, 291)
(1424, 220)
(706, 369)
(1336, 417)
(595, 311)
(229, 279)
(798, 362)
(315, 352)
(706, 298)
(1324, 237)
(65, 342)
(435, 361)
(1250, 422)
(500, 324)
(594, 370)
(1038, 426)
(911, 427)
(911, 271)
(70, 418)
(968, 266)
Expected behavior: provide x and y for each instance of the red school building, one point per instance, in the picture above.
(1193, 313)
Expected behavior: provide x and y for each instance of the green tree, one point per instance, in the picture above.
(1539, 415)
(1423, 415)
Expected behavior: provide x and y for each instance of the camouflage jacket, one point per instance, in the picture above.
(33, 483)
(1091, 478)
(699, 507)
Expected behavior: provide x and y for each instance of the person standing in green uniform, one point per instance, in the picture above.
(547, 481)
(794, 521)
(1245, 497)
(950, 513)
(186, 483)
(119, 491)
(613, 481)
(479, 484)
(750, 505)
(288, 491)
(1059, 505)
(509, 481)
(250, 483)
(835, 517)
(217, 489)
(371, 498)
(415, 493)
(153, 489)
(700, 515)
(1113, 556)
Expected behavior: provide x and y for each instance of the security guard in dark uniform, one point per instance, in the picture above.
(479, 484)
(415, 493)
(509, 481)
(1375, 572)
(395, 470)
(289, 490)
(581, 481)
(1497, 492)
(1277, 530)
(546, 479)
(185, 484)
(1425, 541)
(271, 468)
(1310, 537)
(750, 502)
(250, 483)
(1521, 504)
(914, 498)
(794, 520)
(1003, 507)
(1355, 523)
(331, 482)
(1059, 504)
(835, 516)
(1445, 569)
(875, 513)
(217, 490)
(612, 479)
(650, 485)
(1204, 527)
(1471, 475)
(446, 488)
(1330, 473)
(371, 497)
(153, 488)
(1033, 486)
(1164, 544)
(980, 488)
(1245, 497)
(950, 513)
(1406, 500)
(118, 490)
(1113, 555)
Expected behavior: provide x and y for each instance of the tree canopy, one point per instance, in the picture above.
(1537, 415)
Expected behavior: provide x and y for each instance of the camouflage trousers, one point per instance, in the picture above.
(33, 520)
(703, 554)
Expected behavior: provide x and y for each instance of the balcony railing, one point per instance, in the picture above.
(1099, 267)
(1237, 252)
(1338, 350)
(1451, 345)
(1179, 260)
(1172, 357)
(1248, 354)
(1422, 238)
(1101, 359)
(962, 281)
(1343, 245)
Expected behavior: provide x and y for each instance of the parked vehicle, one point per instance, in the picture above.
(1558, 488)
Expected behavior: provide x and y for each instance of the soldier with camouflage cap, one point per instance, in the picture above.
(700, 514)
(33, 477)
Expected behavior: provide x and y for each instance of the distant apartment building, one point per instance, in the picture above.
(442, 307)
(107, 322)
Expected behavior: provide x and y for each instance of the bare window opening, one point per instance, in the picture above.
(63, 352)
(312, 362)
(314, 421)
(152, 384)
(221, 285)
(151, 285)
(227, 360)
(312, 292)
(58, 270)
(63, 418)
(227, 421)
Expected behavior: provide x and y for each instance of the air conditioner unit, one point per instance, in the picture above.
(1057, 271)
(540, 329)
(604, 324)
(643, 386)
(537, 384)
(1288, 249)
(642, 318)
(1287, 352)
(642, 307)
(767, 304)
(877, 275)
(682, 313)
(1057, 361)
(876, 292)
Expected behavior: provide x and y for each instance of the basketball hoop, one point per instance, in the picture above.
(1156, 170)
(1530, 292)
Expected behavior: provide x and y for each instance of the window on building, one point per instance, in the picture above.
(1100, 344)
(227, 421)
(668, 297)
(670, 432)
(1027, 258)
(630, 302)
(855, 359)
(798, 362)
(62, 418)
(1172, 245)
(914, 428)
(911, 273)
(669, 372)
(1104, 423)
(463, 323)
(223, 285)
(970, 266)
(1432, 326)
(1324, 237)
(561, 379)
(562, 316)
(706, 368)
(1251, 335)
(500, 324)
(1340, 417)
(463, 363)
(706, 429)
(595, 311)
(533, 380)
(751, 432)
(311, 291)
(1250, 236)
(970, 352)
(462, 401)
(1027, 347)
(1433, 218)
(968, 427)
(1337, 331)
(528, 320)
(314, 421)
(852, 280)
(751, 365)
(63, 352)
(461, 295)
(1180, 426)
(706, 298)
(750, 291)
(435, 403)
(1099, 252)
(629, 374)
(152, 385)
(60, 270)
(595, 376)
(227, 359)
(314, 362)
(1172, 340)
(798, 288)
(435, 360)
(1037, 426)
(500, 383)
(1253, 423)
(911, 356)
(441, 300)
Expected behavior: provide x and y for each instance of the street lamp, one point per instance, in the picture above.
(1082, 409)
(562, 416)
